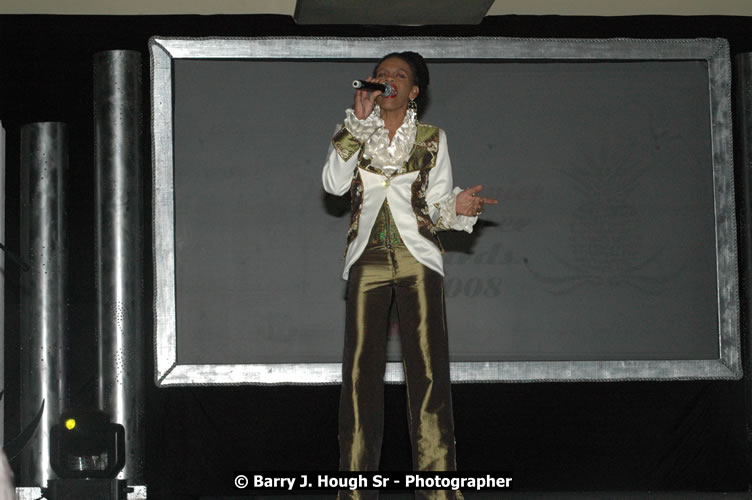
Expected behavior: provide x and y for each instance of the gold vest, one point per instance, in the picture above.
(422, 159)
(384, 232)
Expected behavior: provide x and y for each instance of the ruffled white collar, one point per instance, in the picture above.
(385, 155)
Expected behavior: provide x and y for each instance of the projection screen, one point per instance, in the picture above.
(611, 256)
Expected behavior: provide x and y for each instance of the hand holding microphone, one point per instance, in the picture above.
(365, 95)
(385, 88)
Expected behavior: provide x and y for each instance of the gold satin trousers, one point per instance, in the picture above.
(385, 269)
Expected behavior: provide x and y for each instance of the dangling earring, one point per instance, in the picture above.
(413, 105)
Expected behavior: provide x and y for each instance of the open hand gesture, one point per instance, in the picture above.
(468, 203)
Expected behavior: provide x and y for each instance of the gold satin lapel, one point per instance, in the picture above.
(425, 149)
(356, 205)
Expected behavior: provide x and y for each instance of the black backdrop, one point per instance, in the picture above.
(565, 436)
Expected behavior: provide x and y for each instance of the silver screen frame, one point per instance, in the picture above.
(163, 50)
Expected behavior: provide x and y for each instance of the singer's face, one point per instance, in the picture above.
(398, 74)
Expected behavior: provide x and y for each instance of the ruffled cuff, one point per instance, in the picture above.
(448, 217)
(363, 129)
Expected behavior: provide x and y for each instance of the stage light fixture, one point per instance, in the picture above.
(85, 444)
(87, 452)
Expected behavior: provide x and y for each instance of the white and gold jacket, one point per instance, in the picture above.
(412, 172)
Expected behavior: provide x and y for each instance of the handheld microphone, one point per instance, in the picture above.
(385, 88)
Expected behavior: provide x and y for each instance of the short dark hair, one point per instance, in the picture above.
(421, 78)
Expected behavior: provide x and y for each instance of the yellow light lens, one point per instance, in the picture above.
(70, 424)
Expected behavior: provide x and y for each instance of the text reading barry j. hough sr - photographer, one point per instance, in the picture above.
(372, 480)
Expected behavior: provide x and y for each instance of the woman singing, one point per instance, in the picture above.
(399, 176)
